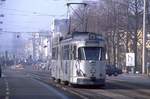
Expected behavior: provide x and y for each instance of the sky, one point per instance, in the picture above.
(32, 15)
(29, 16)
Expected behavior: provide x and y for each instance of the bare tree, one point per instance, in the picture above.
(135, 25)
(120, 22)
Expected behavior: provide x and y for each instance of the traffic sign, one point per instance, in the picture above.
(130, 59)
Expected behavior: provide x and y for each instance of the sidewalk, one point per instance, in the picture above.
(136, 75)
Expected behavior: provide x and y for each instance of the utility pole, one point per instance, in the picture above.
(34, 48)
(144, 38)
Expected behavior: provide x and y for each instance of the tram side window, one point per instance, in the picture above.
(66, 52)
(72, 52)
(103, 57)
(55, 53)
(81, 54)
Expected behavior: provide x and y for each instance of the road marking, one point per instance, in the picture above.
(7, 89)
(78, 94)
(7, 97)
(57, 85)
(7, 93)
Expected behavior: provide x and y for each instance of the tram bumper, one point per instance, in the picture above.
(90, 81)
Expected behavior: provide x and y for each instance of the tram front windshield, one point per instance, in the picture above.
(89, 53)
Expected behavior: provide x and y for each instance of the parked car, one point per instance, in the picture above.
(113, 70)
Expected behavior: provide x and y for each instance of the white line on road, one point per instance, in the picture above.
(7, 97)
(7, 93)
(7, 89)
(78, 94)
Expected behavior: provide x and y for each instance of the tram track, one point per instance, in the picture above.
(56, 85)
(114, 89)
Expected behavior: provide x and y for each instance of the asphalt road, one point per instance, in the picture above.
(18, 84)
(36, 84)
(121, 87)
(125, 86)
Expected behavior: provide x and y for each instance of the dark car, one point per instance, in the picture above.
(113, 70)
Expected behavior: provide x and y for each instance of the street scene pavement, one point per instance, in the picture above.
(18, 84)
(74, 49)
(37, 84)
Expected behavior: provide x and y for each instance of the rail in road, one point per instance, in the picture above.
(124, 86)
(48, 80)
(18, 84)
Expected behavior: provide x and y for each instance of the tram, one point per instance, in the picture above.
(79, 58)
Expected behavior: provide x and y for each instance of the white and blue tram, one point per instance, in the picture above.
(79, 59)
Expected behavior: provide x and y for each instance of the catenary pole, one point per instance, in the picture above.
(144, 38)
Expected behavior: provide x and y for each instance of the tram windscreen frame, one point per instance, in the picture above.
(90, 53)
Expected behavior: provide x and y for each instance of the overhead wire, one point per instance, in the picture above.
(28, 21)
(23, 31)
(23, 11)
(17, 24)
(30, 13)
(27, 13)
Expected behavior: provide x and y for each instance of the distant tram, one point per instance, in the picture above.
(79, 58)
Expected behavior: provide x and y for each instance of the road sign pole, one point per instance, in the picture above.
(144, 38)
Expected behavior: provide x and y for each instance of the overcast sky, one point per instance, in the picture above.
(29, 16)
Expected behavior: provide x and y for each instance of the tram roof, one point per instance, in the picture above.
(83, 35)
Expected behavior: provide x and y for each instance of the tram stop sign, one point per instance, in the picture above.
(130, 59)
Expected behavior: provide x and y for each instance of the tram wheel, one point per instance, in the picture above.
(53, 78)
(66, 82)
(73, 85)
(57, 80)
